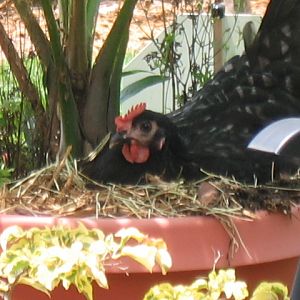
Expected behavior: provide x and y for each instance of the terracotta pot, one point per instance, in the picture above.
(270, 250)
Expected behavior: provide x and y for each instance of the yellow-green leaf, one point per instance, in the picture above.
(237, 289)
(100, 277)
(43, 258)
(143, 254)
(4, 287)
(164, 260)
(131, 232)
(97, 270)
(98, 247)
(199, 284)
(270, 291)
(265, 295)
(33, 283)
(84, 286)
(12, 231)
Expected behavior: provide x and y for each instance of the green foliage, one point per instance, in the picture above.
(219, 285)
(17, 125)
(37, 76)
(5, 174)
(139, 85)
(240, 5)
(129, 55)
(186, 77)
(271, 291)
(43, 258)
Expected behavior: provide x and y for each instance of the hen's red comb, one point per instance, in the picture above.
(123, 122)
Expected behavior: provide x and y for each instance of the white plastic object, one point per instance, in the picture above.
(275, 136)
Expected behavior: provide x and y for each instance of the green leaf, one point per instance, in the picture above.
(43, 258)
(199, 284)
(98, 248)
(265, 295)
(84, 285)
(91, 19)
(237, 289)
(60, 78)
(140, 85)
(164, 260)
(202, 289)
(33, 283)
(54, 31)
(133, 72)
(97, 270)
(13, 270)
(4, 286)
(164, 291)
(104, 91)
(77, 43)
(143, 254)
(127, 233)
(270, 291)
(8, 233)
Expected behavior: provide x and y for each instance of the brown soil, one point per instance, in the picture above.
(148, 20)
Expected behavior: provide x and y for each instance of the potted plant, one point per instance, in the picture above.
(45, 258)
(218, 285)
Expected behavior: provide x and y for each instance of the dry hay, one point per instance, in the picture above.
(60, 190)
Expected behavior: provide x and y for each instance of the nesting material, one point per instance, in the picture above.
(60, 190)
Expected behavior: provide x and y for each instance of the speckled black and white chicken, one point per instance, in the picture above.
(212, 131)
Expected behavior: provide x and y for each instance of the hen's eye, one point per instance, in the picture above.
(146, 126)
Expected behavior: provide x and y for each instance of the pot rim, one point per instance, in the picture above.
(197, 242)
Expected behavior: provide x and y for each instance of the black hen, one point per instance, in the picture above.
(212, 131)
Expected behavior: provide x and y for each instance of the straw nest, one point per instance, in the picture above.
(60, 190)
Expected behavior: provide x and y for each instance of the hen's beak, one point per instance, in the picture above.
(117, 139)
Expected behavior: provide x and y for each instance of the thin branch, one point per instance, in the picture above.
(37, 36)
